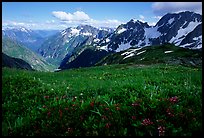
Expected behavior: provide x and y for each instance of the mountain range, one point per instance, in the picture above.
(85, 45)
(182, 29)
(31, 39)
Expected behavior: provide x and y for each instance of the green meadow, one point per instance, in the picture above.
(112, 100)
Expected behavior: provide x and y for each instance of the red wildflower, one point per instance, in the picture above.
(46, 97)
(173, 99)
(104, 117)
(48, 114)
(92, 104)
(107, 125)
(161, 130)
(135, 104)
(146, 122)
(170, 112)
(66, 108)
(133, 117)
(106, 108)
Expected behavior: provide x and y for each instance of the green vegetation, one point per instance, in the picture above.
(17, 50)
(115, 100)
(156, 54)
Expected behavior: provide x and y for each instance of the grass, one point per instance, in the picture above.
(115, 100)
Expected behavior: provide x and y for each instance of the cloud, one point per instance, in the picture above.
(157, 17)
(161, 8)
(76, 16)
(141, 17)
(79, 17)
(32, 25)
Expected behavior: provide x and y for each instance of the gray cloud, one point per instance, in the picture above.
(161, 8)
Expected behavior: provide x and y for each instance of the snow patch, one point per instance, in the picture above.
(123, 47)
(170, 20)
(96, 40)
(168, 52)
(198, 38)
(104, 48)
(121, 30)
(152, 32)
(130, 55)
(188, 44)
(24, 30)
(107, 40)
(87, 34)
(74, 31)
(141, 52)
(183, 32)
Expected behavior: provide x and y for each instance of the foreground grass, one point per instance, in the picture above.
(117, 100)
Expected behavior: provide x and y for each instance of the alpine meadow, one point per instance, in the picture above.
(90, 72)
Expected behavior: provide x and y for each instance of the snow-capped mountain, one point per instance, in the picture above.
(64, 43)
(183, 29)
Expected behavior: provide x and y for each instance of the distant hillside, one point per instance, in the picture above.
(16, 50)
(10, 62)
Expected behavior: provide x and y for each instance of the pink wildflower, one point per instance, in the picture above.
(146, 122)
(161, 130)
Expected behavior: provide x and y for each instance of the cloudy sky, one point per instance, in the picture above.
(60, 15)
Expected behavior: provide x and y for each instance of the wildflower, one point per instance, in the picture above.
(161, 130)
(48, 114)
(81, 94)
(46, 97)
(64, 96)
(169, 112)
(44, 106)
(106, 109)
(173, 99)
(66, 108)
(92, 104)
(104, 117)
(69, 130)
(52, 89)
(133, 117)
(107, 125)
(135, 104)
(146, 122)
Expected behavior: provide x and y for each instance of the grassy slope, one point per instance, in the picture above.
(16, 50)
(105, 101)
(155, 54)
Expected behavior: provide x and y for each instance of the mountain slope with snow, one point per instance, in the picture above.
(177, 28)
(64, 43)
